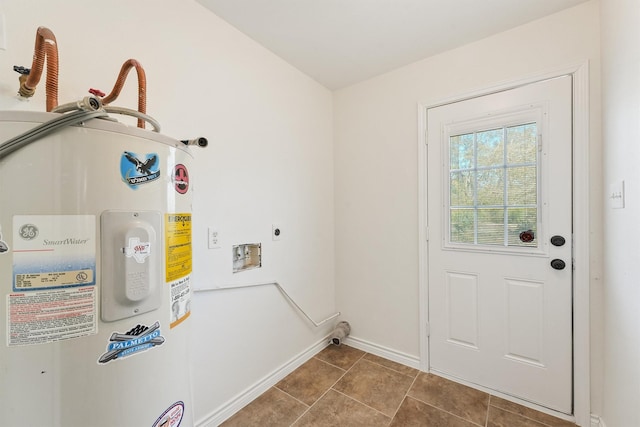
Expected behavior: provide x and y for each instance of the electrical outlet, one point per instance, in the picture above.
(213, 238)
(276, 232)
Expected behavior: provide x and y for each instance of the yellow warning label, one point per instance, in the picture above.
(178, 245)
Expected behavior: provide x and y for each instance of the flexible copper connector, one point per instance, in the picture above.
(46, 47)
(142, 87)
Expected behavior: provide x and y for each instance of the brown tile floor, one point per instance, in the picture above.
(343, 386)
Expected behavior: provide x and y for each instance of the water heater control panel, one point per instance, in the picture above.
(131, 263)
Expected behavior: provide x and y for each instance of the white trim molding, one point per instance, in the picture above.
(218, 416)
(581, 216)
(596, 421)
(384, 352)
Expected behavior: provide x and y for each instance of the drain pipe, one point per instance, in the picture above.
(286, 295)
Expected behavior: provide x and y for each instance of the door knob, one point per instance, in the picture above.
(558, 264)
(557, 241)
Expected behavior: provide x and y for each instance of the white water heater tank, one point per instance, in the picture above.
(95, 270)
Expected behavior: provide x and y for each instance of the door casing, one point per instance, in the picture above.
(581, 216)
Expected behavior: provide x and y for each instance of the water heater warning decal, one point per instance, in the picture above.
(42, 317)
(178, 264)
(178, 245)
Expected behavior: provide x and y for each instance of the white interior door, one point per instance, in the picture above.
(499, 219)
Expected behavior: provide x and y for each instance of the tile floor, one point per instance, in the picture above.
(344, 386)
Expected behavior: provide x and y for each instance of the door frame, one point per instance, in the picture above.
(581, 217)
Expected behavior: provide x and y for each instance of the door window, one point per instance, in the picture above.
(493, 186)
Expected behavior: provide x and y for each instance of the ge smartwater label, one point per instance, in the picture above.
(54, 294)
(53, 251)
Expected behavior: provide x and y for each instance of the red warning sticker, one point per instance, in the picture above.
(181, 178)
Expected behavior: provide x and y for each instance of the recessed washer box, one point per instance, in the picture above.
(246, 256)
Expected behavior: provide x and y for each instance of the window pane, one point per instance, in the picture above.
(462, 226)
(461, 152)
(522, 186)
(490, 147)
(491, 227)
(493, 173)
(491, 187)
(461, 188)
(522, 144)
(522, 219)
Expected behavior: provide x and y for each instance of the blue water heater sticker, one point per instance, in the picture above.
(139, 169)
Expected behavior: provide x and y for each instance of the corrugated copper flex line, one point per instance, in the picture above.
(142, 87)
(46, 48)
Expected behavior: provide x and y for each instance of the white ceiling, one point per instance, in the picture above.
(341, 42)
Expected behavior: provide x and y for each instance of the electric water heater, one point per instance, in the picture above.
(95, 270)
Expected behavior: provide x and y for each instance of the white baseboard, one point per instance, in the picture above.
(596, 421)
(387, 353)
(218, 416)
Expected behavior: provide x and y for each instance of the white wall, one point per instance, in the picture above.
(270, 159)
(376, 169)
(621, 137)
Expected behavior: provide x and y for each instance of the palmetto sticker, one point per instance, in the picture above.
(138, 339)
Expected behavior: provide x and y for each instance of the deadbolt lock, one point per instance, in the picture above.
(558, 264)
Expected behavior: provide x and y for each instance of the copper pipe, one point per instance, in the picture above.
(142, 87)
(46, 47)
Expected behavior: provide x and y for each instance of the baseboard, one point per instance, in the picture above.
(596, 421)
(387, 353)
(218, 416)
